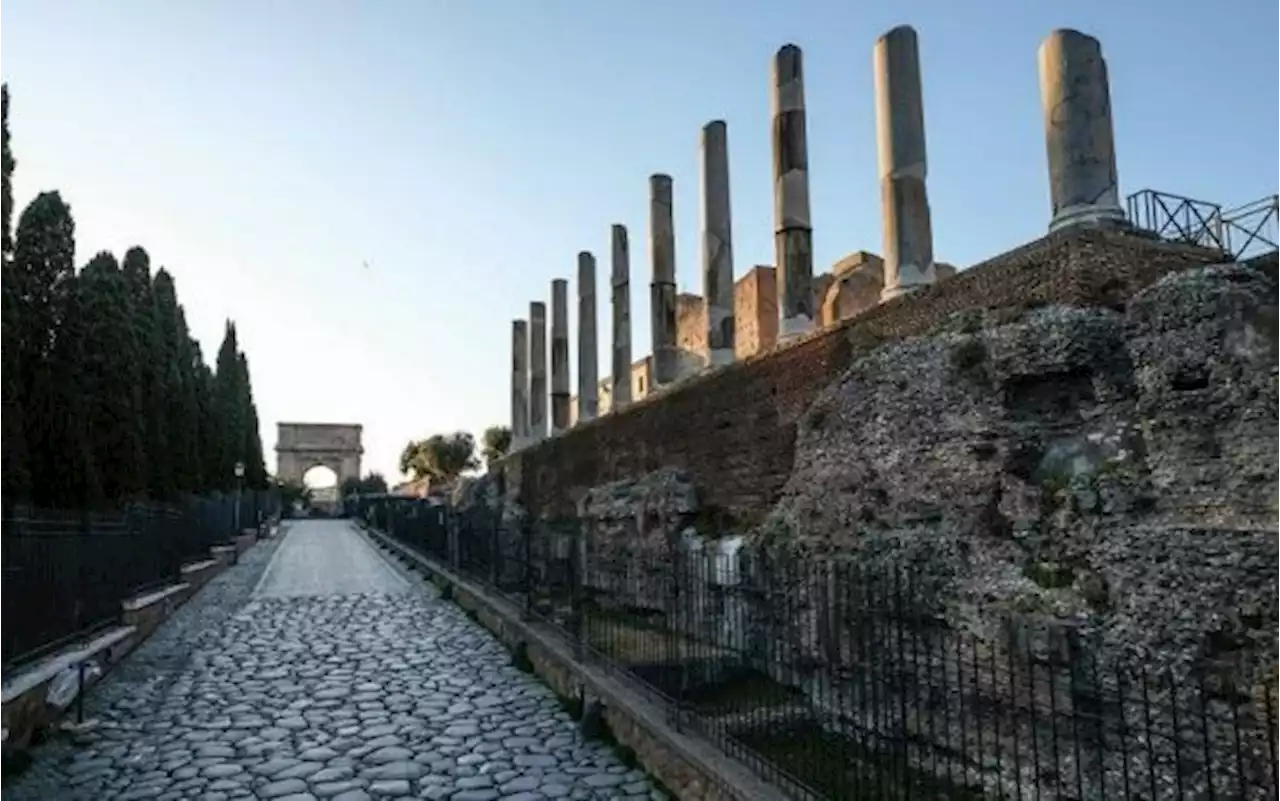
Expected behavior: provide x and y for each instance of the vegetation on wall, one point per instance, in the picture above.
(494, 443)
(440, 457)
(106, 396)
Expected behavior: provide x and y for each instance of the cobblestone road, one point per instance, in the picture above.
(378, 691)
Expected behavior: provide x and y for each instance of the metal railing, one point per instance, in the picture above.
(66, 573)
(1241, 232)
(834, 681)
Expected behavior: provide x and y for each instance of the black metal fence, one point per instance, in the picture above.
(837, 682)
(66, 573)
(1243, 231)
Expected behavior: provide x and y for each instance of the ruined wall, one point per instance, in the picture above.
(755, 310)
(733, 431)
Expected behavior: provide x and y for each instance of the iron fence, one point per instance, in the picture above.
(66, 573)
(1241, 232)
(835, 681)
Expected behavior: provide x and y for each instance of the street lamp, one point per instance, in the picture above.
(239, 488)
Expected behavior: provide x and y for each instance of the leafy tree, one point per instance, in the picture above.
(110, 376)
(16, 473)
(495, 442)
(440, 457)
(371, 484)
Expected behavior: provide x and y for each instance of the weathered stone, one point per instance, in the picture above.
(793, 229)
(588, 357)
(903, 164)
(537, 371)
(662, 295)
(717, 243)
(519, 383)
(559, 355)
(620, 279)
(1079, 138)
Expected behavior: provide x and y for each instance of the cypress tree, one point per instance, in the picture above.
(137, 273)
(64, 473)
(255, 471)
(15, 475)
(110, 379)
(179, 379)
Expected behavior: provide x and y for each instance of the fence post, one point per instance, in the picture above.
(451, 538)
(526, 530)
(495, 554)
(577, 564)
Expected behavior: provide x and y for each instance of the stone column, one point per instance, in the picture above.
(1079, 140)
(793, 231)
(620, 269)
(717, 243)
(903, 165)
(559, 355)
(537, 371)
(662, 294)
(519, 383)
(588, 374)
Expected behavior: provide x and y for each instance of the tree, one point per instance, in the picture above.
(109, 378)
(136, 268)
(48, 338)
(371, 484)
(495, 442)
(179, 380)
(16, 474)
(440, 457)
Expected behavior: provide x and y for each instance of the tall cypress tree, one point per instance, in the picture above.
(137, 273)
(15, 475)
(179, 379)
(255, 474)
(110, 378)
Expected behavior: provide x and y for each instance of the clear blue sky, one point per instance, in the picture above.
(468, 150)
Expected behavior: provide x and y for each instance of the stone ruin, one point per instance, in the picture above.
(1067, 486)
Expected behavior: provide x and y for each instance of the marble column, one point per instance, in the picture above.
(1079, 140)
(588, 374)
(903, 165)
(717, 243)
(519, 383)
(620, 277)
(793, 231)
(662, 293)
(537, 371)
(559, 355)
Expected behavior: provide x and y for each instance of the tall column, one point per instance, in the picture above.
(559, 355)
(717, 243)
(620, 277)
(662, 292)
(904, 201)
(1079, 140)
(793, 231)
(519, 383)
(588, 374)
(537, 371)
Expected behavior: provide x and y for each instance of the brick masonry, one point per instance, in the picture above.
(733, 430)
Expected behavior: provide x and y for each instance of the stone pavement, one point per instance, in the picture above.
(292, 693)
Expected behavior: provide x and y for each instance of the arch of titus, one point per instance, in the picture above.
(302, 446)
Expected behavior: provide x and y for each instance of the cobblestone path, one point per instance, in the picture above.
(380, 690)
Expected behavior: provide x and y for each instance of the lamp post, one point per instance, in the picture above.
(239, 489)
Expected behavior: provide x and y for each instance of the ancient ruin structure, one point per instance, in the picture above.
(717, 243)
(559, 355)
(900, 146)
(1079, 140)
(793, 231)
(620, 278)
(662, 295)
(519, 383)
(537, 371)
(302, 446)
(587, 356)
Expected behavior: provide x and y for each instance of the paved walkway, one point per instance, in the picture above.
(327, 674)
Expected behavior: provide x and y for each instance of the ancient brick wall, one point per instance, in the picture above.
(733, 430)
(755, 312)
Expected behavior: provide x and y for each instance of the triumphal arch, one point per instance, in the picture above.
(302, 446)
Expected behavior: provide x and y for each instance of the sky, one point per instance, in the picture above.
(466, 151)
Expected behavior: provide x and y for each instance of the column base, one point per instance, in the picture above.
(720, 357)
(1088, 215)
(792, 327)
